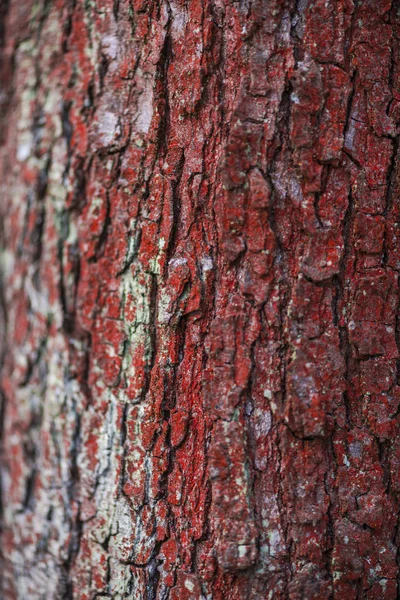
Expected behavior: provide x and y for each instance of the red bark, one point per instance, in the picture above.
(200, 365)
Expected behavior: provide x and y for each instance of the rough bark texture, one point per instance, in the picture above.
(200, 299)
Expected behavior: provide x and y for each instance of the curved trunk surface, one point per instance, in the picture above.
(200, 373)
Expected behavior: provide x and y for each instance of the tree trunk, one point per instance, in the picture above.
(200, 334)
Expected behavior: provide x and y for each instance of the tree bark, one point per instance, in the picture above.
(200, 369)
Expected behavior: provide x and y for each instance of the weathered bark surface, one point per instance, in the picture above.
(200, 364)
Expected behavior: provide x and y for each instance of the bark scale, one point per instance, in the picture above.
(200, 373)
